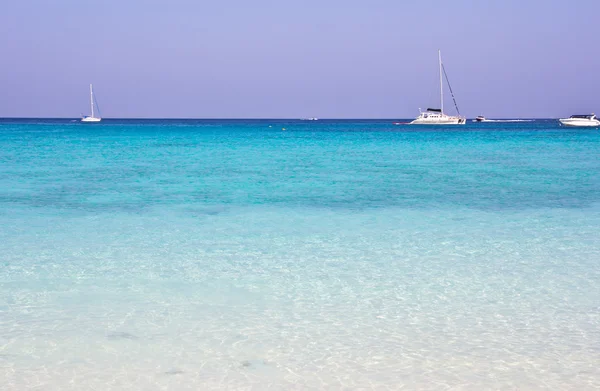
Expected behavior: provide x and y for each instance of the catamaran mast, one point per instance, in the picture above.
(92, 100)
(449, 87)
(441, 84)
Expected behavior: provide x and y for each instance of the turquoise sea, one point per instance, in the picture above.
(337, 255)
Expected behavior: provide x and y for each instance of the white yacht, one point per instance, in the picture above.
(437, 116)
(580, 120)
(91, 118)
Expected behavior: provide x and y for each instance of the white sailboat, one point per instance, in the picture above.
(91, 118)
(437, 116)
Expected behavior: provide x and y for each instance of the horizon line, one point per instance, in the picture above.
(259, 118)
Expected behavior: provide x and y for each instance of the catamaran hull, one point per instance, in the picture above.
(448, 121)
(577, 122)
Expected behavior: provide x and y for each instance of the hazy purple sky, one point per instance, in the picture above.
(326, 58)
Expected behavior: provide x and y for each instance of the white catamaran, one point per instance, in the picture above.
(437, 116)
(91, 118)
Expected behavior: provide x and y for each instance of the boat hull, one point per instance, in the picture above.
(439, 121)
(579, 122)
(91, 119)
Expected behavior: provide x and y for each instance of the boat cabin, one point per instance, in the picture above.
(584, 116)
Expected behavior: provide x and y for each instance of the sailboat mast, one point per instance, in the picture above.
(441, 84)
(92, 100)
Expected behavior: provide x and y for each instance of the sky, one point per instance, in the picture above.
(298, 59)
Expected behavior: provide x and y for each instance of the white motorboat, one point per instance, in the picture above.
(437, 116)
(91, 118)
(480, 118)
(580, 120)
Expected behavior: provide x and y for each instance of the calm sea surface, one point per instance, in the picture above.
(212, 255)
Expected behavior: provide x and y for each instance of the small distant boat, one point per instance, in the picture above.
(310, 119)
(437, 116)
(91, 118)
(580, 120)
(481, 118)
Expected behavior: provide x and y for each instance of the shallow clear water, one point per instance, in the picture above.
(329, 255)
